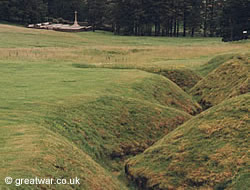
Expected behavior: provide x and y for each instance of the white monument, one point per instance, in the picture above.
(76, 23)
(62, 27)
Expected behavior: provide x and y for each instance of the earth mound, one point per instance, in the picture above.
(209, 151)
(228, 80)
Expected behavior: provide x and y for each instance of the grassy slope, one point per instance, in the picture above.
(209, 151)
(112, 127)
(184, 78)
(28, 151)
(214, 63)
(227, 80)
(124, 120)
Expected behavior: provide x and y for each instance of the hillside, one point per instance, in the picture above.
(225, 81)
(112, 127)
(209, 151)
(184, 78)
(29, 151)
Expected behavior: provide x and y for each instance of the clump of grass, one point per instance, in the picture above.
(207, 152)
(77, 65)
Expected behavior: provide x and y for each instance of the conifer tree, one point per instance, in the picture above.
(235, 16)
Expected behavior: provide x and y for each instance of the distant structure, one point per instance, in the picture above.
(245, 34)
(76, 23)
(61, 27)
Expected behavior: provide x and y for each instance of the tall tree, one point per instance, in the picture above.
(236, 16)
(96, 10)
(194, 16)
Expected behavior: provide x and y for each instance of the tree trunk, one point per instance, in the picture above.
(175, 27)
(205, 20)
(178, 28)
(212, 20)
(171, 27)
(192, 33)
(184, 24)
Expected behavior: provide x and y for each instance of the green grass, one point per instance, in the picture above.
(40, 93)
(228, 77)
(104, 49)
(80, 104)
(74, 101)
(184, 78)
(32, 151)
(209, 151)
(214, 63)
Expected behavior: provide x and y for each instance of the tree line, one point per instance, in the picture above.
(208, 18)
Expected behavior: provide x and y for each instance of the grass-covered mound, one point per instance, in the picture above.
(209, 151)
(228, 80)
(184, 78)
(124, 123)
(28, 151)
(160, 90)
(214, 63)
(115, 127)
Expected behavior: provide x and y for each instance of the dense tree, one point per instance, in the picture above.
(227, 18)
(194, 18)
(96, 10)
(23, 11)
(236, 19)
(4, 8)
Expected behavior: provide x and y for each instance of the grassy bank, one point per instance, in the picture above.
(209, 152)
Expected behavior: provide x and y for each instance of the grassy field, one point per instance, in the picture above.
(106, 50)
(80, 104)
